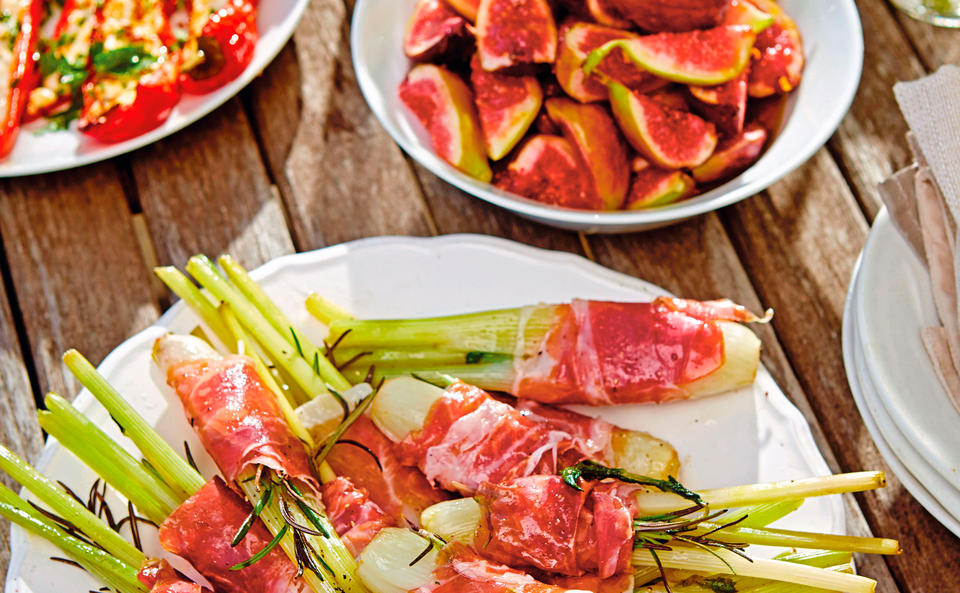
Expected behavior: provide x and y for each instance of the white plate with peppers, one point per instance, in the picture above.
(98, 79)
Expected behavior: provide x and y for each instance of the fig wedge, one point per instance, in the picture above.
(444, 105)
(576, 43)
(466, 8)
(548, 169)
(432, 30)
(669, 138)
(733, 155)
(513, 33)
(591, 130)
(725, 105)
(777, 64)
(741, 12)
(653, 187)
(704, 58)
(672, 15)
(507, 106)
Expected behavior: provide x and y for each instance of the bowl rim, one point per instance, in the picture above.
(714, 199)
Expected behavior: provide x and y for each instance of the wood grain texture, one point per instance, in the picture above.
(935, 46)
(870, 144)
(799, 242)
(205, 190)
(76, 267)
(340, 174)
(18, 428)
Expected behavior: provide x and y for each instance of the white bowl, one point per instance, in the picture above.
(833, 44)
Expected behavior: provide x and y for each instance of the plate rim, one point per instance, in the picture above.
(801, 429)
(611, 221)
(217, 98)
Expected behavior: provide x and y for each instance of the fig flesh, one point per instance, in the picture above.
(777, 64)
(704, 58)
(466, 8)
(733, 155)
(672, 15)
(444, 105)
(512, 33)
(653, 187)
(432, 29)
(576, 43)
(506, 105)
(741, 12)
(725, 105)
(548, 169)
(594, 134)
(670, 97)
(670, 138)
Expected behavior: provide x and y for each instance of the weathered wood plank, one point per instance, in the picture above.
(18, 427)
(697, 259)
(340, 174)
(799, 242)
(936, 46)
(76, 267)
(869, 144)
(205, 190)
(454, 211)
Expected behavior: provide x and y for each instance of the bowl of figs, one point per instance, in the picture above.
(608, 116)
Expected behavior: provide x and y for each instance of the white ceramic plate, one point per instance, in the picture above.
(915, 474)
(833, 44)
(43, 152)
(894, 301)
(744, 436)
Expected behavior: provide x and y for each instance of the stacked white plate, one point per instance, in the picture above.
(909, 415)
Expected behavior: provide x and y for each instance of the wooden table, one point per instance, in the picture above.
(297, 162)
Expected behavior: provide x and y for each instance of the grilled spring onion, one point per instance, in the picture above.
(481, 348)
(403, 403)
(389, 563)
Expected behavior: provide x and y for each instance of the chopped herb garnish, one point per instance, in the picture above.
(122, 61)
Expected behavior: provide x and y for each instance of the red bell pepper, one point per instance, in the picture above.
(20, 31)
(134, 84)
(220, 45)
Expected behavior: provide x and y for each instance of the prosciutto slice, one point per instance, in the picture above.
(369, 459)
(200, 531)
(466, 572)
(234, 413)
(162, 578)
(355, 517)
(540, 522)
(602, 353)
(470, 438)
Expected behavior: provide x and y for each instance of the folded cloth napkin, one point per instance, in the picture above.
(924, 203)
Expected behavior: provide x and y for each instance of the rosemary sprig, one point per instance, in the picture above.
(344, 426)
(591, 470)
(263, 551)
(257, 509)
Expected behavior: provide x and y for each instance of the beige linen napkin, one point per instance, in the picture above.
(924, 203)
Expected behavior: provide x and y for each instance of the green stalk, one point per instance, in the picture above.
(246, 344)
(652, 503)
(763, 514)
(493, 377)
(801, 539)
(112, 571)
(98, 452)
(68, 508)
(184, 288)
(174, 470)
(259, 299)
(273, 342)
(324, 310)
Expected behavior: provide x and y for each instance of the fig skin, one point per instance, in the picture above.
(506, 105)
(594, 134)
(777, 63)
(515, 33)
(669, 138)
(466, 8)
(741, 12)
(708, 57)
(725, 105)
(577, 40)
(733, 155)
(549, 170)
(657, 16)
(444, 105)
(602, 12)
(433, 29)
(653, 187)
